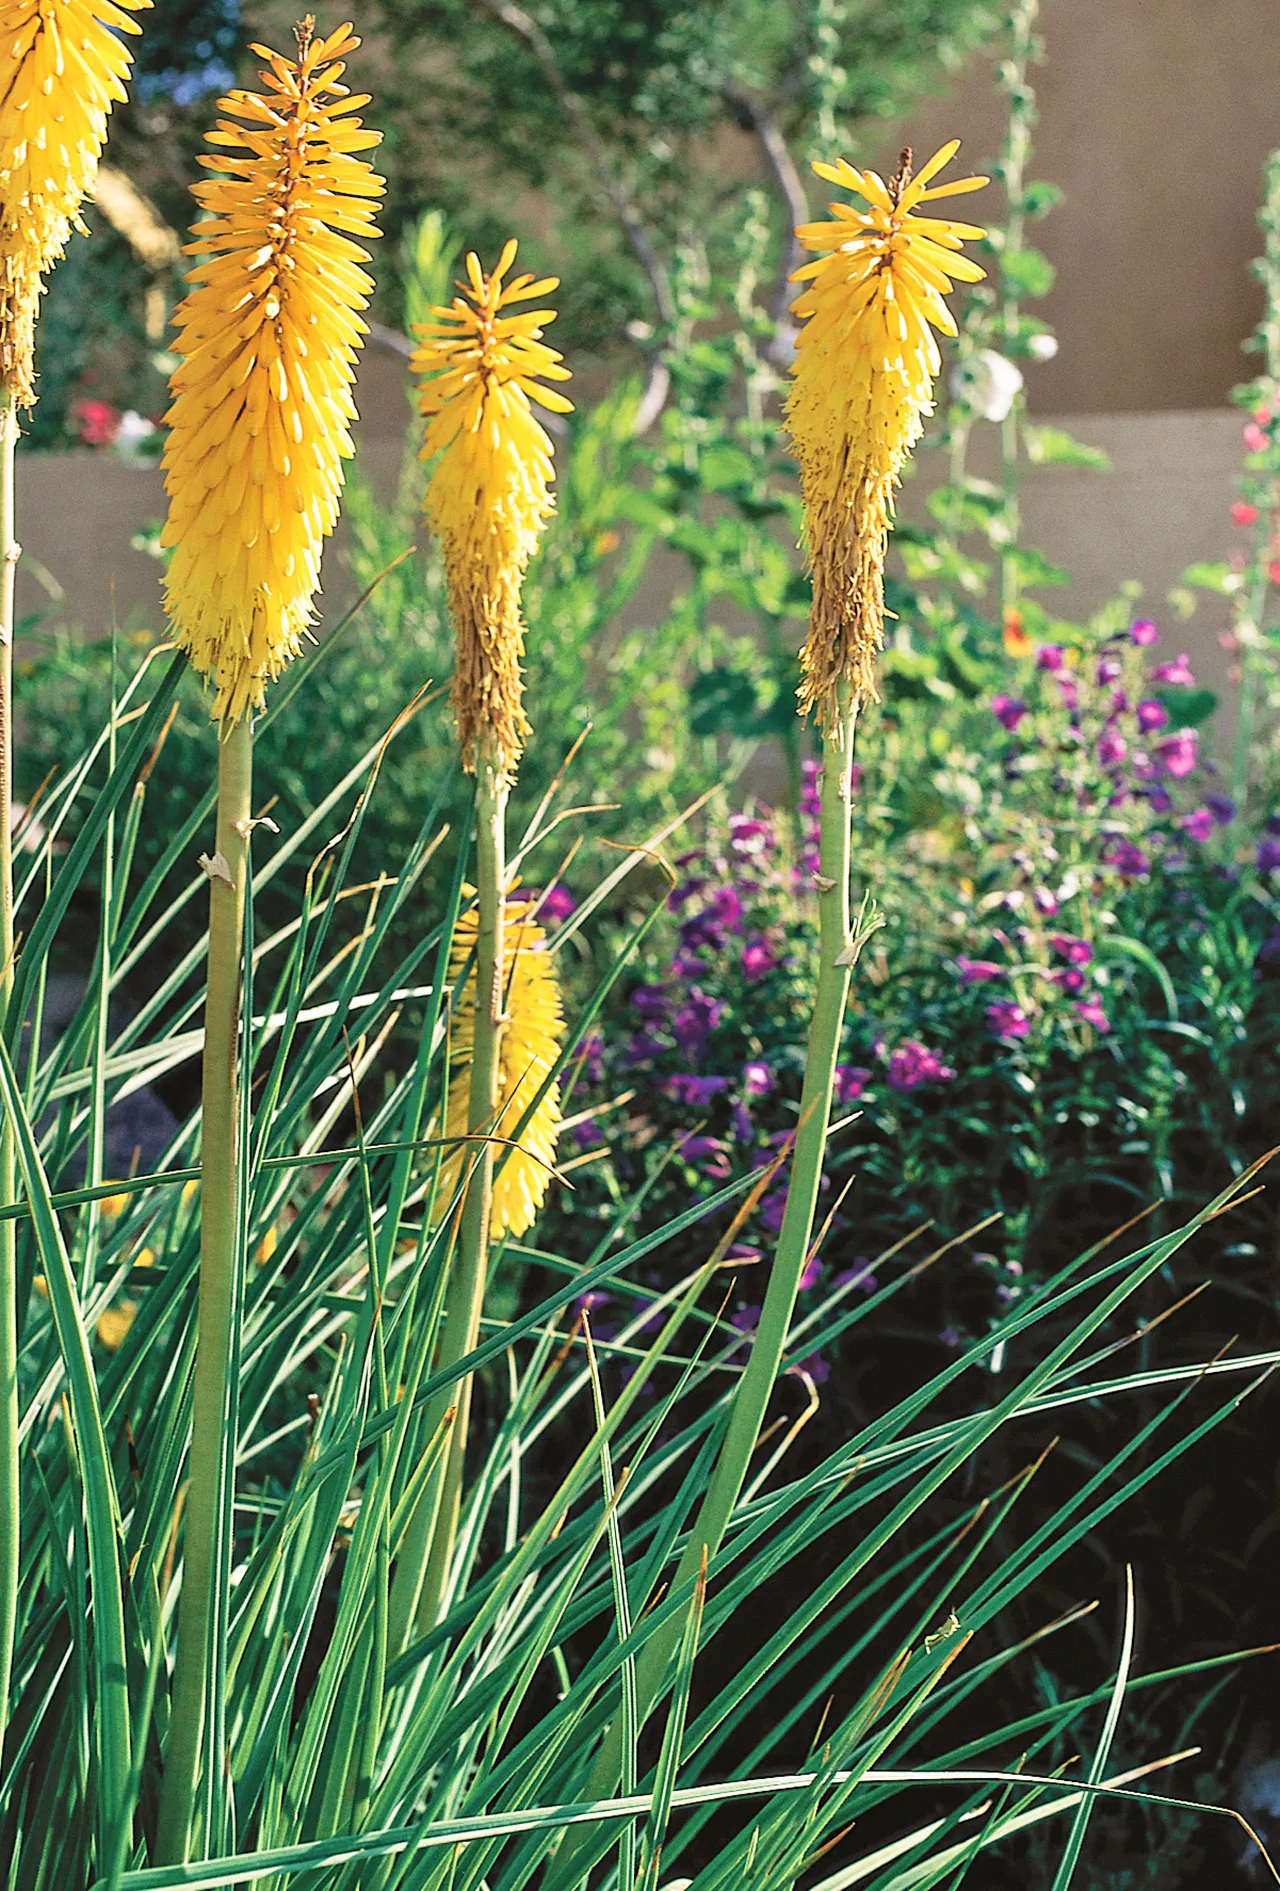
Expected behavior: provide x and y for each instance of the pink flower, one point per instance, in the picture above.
(1242, 513)
(1068, 978)
(1128, 860)
(1151, 715)
(1008, 712)
(97, 422)
(976, 971)
(1179, 752)
(1049, 657)
(1089, 1011)
(1112, 747)
(1108, 670)
(1177, 671)
(851, 1081)
(812, 1273)
(1070, 691)
(1143, 632)
(1045, 903)
(1254, 438)
(1198, 825)
(912, 1065)
(557, 904)
(1008, 1021)
(1067, 946)
(758, 957)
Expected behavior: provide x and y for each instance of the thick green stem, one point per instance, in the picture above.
(9, 1485)
(203, 1514)
(423, 1571)
(754, 1388)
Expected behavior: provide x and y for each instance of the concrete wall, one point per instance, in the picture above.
(1155, 119)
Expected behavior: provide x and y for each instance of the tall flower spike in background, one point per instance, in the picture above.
(262, 397)
(865, 364)
(268, 334)
(68, 68)
(531, 1042)
(488, 500)
(489, 495)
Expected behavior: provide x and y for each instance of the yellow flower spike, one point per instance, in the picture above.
(864, 370)
(489, 495)
(114, 1323)
(66, 68)
(268, 334)
(532, 1037)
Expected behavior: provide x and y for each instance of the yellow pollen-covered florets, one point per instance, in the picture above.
(62, 67)
(268, 334)
(489, 495)
(865, 365)
(532, 1036)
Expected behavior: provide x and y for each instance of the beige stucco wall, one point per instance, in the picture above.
(1164, 504)
(1155, 119)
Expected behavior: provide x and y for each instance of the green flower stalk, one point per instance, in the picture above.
(488, 501)
(268, 339)
(863, 384)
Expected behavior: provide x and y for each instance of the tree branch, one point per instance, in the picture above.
(754, 116)
(518, 23)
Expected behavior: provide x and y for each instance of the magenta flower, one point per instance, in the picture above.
(749, 836)
(758, 957)
(1044, 902)
(557, 904)
(1222, 808)
(1143, 632)
(1128, 859)
(1068, 978)
(1151, 715)
(1179, 752)
(977, 971)
(812, 1274)
(1268, 854)
(1177, 672)
(1108, 670)
(1198, 825)
(743, 1127)
(694, 1148)
(1008, 712)
(1089, 1011)
(913, 1064)
(851, 1081)
(1159, 800)
(1070, 692)
(1050, 657)
(1112, 748)
(1242, 513)
(1143, 766)
(1008, 1021)
(1067, 946)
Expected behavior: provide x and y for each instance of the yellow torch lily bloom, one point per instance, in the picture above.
(489, 495)
(865, 365)
(268, 334)
(66, 67)
(532, 1036)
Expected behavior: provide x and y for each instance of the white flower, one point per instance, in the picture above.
(1042, 347)
(132, 434)
(987, 382)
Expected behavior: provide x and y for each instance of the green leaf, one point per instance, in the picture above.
(1210, 576)
(722, 701)
(1040, 197)
(1050, 446)
(1188, 708)
(1027, 272)
(1032, 568)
